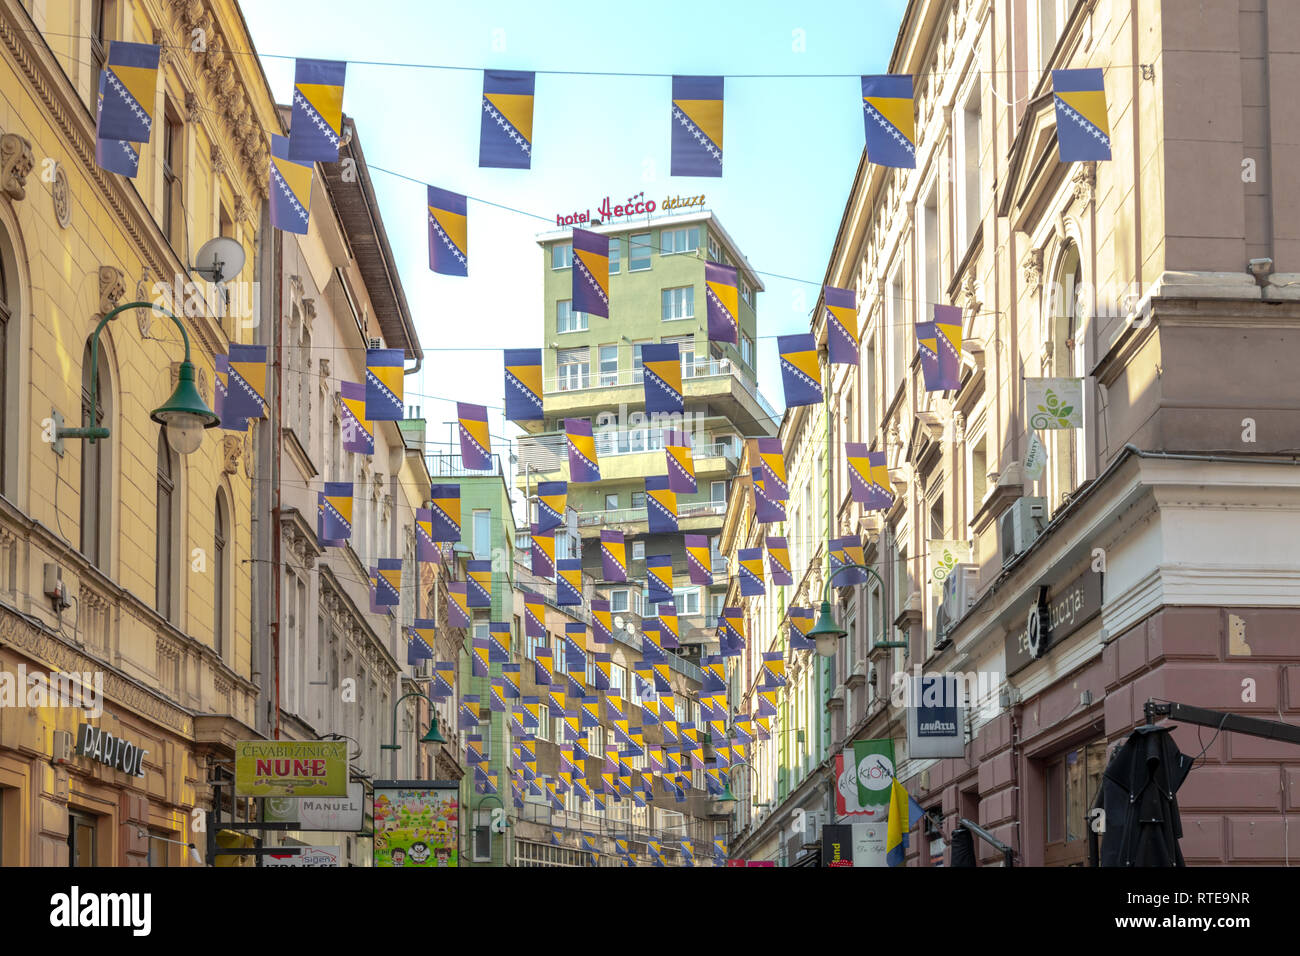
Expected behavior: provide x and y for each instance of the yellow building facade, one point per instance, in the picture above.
(152, 547)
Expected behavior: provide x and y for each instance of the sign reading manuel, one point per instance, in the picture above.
(291, 768)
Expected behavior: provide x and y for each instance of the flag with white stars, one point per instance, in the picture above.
(723, 297)
(475, 442)
(290, 189)
(506, 133)
(384, 377)
(316, 128)
(947, 343)
(524, 385)
(130, 81)
(246, 382)
(448, 232)
(662, 378)
(697, 126)
(1082, 130)
(800, 371)
(661, 505)
(868, 477)
(113, 155)
(590, 273)
(889, 115)
(841, 325)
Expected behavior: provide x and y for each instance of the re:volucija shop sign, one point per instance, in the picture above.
(636, 205)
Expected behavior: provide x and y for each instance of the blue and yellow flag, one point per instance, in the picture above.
(316, 127)
(583, 464)
(868, 477)
(445, 505)
(771, 458)
(1082, 130)
(681, 463)
(499, 642)
(722, 297)
(904, 814)
(358, 434)
(388, 591)
(590, 273)
(534, 615)
(552, 502)
(890, 119)
(458, 604)
(750, 571)
(543, 666)
(947, 338)
(506, 131)
(847, 551)
(613, 556)
(419, 643)
(479, 583)
(659, 577)
(426, 548)
(449, 235)
(510, 673)
(697, 126)
(662, 378)
(661, 505)
(337, 517)
(841, 325)
(384, 376)
(602, 680)
(479, 657)
(801, 373)
(246, 373)
(113, 155)
(444, 680)
(524, 385)
(801, 622)
(773, 670)
(699, 559)
(767, 510)
(602, 623)
(778, 560)
(543, 553)
(568, 582)
(575, 647)
(670, 629)
(130, 81)
(289, 184)
(475, 442)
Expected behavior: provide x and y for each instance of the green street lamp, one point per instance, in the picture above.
(826, 632)
(431, 736)
(185, 415)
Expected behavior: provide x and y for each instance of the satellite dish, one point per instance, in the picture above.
(219, 259)
(618, 622)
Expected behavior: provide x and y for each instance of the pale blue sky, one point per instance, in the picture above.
(791, 144)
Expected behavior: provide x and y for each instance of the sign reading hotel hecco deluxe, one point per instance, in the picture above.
(1044, 623)
(636, 205)
(291, 768)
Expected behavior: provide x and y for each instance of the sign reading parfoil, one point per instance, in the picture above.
(291, 768)
(1054, 402)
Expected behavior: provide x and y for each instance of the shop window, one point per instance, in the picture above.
(82, 843)
(95, 481)
(1071, 780)
(159, 849)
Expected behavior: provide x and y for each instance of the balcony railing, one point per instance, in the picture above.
(701, 509)
(549, 451)
(444, 465)
(580, 377)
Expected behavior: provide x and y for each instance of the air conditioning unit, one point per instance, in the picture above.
(1019, 525)
(61, 747)
(959, 592)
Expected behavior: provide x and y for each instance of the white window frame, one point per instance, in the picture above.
(688, 242)
(576, 322)
(677, 303)
(649, 247)
(565, 249)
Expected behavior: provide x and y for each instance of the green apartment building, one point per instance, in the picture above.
(592, 370)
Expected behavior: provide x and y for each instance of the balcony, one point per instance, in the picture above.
(444, 465)
(577, 390)
(686, 515)
(544, 457)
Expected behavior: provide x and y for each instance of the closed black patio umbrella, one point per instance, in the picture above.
(1142, 826)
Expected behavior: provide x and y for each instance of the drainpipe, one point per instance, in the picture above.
(277, 339)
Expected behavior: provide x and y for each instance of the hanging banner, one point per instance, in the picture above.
(889, 117)
(583, 465)
(847, 551)
(458, 604)
(590, 292)
(552, 502)
(613, 556)
(291, 768)
(388, 585)
(320, 525)
(337, 510)
(475, 443)
(722, 292)
(699, 561)
(417, 823)
(426, 548)
(316, 125)
(872, 763)
(662, 379)
(750, 571)
(1035, 458)
(681, 464)
(568, 582)
(766, 510)
(420, 638)
(800, 370)
(1082, 130)
(131, 82)
(112, 155)
(543, 553)
(498, 642)
(602, 624)
(478, 583)
(448, 233)
(1054, 403)
(947, 337)
(659, 577)
(506, 130)
(289, 184)
(837, 845)
(661, 505)
(868, 477)
(936, 717)
(928, 348)
(771, 458)
(697, 126)
(246, 382)
(384, 377)
(358, 434)
(801, 622)
(523, 370)
(534, 615)
(778, 561)
(841, 325)
(445, 505)
(941, 557)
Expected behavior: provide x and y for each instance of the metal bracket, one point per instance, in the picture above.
(57, 442)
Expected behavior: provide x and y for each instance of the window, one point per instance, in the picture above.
(1070, 781)
(687, 601)
(573, 369)
(715, 251)
(615, 254)
(96, 486)
(482, 534)
(639, 247)
(611, 502)
(166, 522)
(746, 350)
(638, 364)
(979, 467)
(870, 399)
(544, 721)
(566, 320)
(936, 519)
(638, 499)
(483, 836)
(82, 842)
(638, 550)
(532, 644)
(971, 130)
(159, 849)
(898, 332)
(1065, 464)
(102, 18)
(559, 654)
(173, 217)
(617, 680)
(618, 600)
(685, 346)
(678, 303)
(609, 365)
(6, 309)
(930, 253)
(672, 241)
(746, 293)
(718, 492)
(219, 582)
(562, 255)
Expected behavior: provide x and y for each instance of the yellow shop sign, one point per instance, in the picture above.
(291, 768)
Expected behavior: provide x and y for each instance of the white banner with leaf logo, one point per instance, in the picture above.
(941, 557)
(1054, 402)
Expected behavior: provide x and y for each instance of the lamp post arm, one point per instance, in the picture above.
(413, 693)
(826, 596)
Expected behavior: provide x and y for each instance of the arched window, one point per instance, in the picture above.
(166, 529)
(1064, 466)
(6, 310)
(219, 578)
(96, 478)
